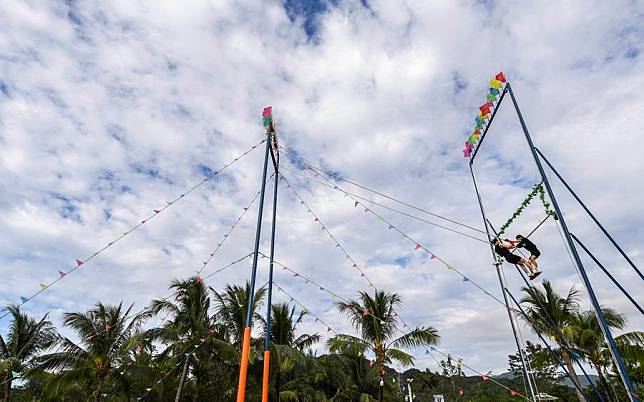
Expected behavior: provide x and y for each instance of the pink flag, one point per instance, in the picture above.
(484, 377)
(61, 273)
(79, 263)
(418, 246)
(433, 257)
(513, 392)
(268, 110)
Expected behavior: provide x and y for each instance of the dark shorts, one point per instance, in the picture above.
(536, 253)
(513, 258)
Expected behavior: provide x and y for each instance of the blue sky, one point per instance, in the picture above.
(108, 111)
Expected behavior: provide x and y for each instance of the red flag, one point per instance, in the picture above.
(61, 273)
(108, 327)
(500, 77)
(461, 392)
(433, 257)
(366, 209)
(79, 263)
(202, 339)
(356, 204)
(418, 246)
(485, 109)
(268, 111)
(513, 392)
(365, 313)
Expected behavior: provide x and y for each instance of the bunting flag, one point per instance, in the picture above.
(79, 263)
(43, 286)
(484, 377)
(15, 374)
(418, 246)
(461, 392)
(267, 117)
(465, 279)
(61, 274)
(24, 299)
(513, 392)
(481, 120)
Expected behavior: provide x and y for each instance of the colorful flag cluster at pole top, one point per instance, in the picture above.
(267, 117)
(485, 110)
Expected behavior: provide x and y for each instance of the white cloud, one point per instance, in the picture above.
(110, 110)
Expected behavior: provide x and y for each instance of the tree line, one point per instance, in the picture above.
(192, 352)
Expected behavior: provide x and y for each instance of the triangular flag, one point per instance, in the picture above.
(432, 257)
(496, 84)
(316, 220)
(461, 392)
(449, 266)
(391, 227)
(366, 209)
(418, 246)
(156, 211)
(79, 263)
(465, 279)
(148, 389)
(43, 286)
(15, 374)
(513, 392)
(484, 377)
(143, 221)
(500, 77)
(24, 299)
(494, 91)
(490, 98)
(61, 273)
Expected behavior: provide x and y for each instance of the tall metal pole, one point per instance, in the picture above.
(617, 358)
(267, 344)
(599, 264)
(243, 369)
(411, 395)
(589, 213)
(499, 273)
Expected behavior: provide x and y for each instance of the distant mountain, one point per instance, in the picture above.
(565, 381)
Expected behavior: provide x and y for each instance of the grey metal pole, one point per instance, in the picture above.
(272, 255)
(590, 213)
(617, 358)
(499, 273)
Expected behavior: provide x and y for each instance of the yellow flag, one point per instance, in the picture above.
(496, 84)
(449, 266)
(43, 286)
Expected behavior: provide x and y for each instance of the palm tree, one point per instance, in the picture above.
(283, 337)
(377, 321)
(107, 334)
(231, 307)
(25, 340)
(552, 315)
(190, 324)
(588, 339)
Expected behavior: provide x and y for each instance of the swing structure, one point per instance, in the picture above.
(499, 87)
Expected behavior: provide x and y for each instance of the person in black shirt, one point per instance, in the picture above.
(523, 242)
(503, 250)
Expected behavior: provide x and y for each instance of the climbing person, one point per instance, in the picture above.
(523, 242)
(503, 250)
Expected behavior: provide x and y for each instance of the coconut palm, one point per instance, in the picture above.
(552, 315)
(231, 307)
(283, 337)
(377, 321)
(188, 323)
(107, 334)
(587, 337)
(25, 340)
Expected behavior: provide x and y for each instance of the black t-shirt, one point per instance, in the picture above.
(528, 245)
(502, 251)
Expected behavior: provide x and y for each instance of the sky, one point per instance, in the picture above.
(108, 110)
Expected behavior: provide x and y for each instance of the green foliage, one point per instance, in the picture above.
(537, 189)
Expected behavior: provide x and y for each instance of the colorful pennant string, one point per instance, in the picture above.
(433, 348)
(79, 263)
(481, 120)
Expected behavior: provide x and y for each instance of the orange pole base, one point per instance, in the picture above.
(243, 368)
(267, 368)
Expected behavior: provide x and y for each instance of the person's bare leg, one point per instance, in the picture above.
(525, 265)
(533, 260)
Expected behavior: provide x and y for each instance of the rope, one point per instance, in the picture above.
(335, 176)
(418, 245)
(384, 206)
(156, 212)
(433, 348)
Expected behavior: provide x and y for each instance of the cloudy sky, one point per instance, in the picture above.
(108, 110)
